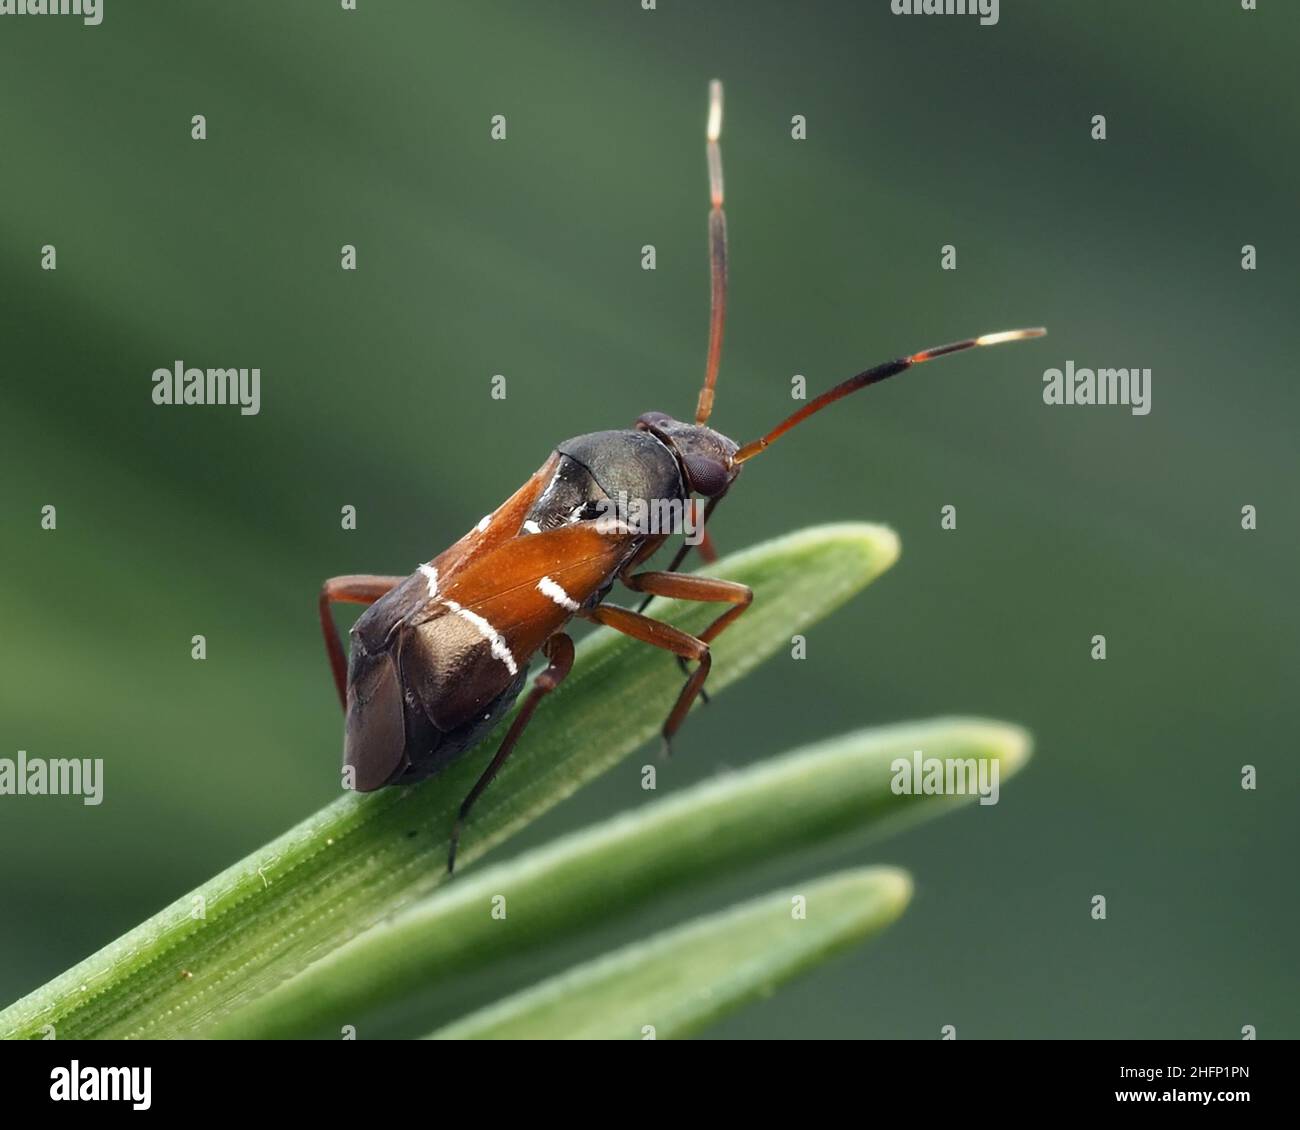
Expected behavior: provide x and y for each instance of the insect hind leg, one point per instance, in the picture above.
(356, 588)
(559, 651)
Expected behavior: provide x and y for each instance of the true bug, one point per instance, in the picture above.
(440, 656)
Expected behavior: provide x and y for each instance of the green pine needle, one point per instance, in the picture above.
(362, 858)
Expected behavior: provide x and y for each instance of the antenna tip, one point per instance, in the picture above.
(715, 109)
(1011, 335)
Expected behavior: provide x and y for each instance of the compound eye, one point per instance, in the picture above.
(651, 419)
(708, 476)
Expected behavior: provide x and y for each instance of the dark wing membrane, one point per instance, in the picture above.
(375, 627)
(375, 731)
(374, 742)
(497, 609)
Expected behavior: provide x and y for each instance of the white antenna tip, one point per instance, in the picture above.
(715, 110)
(1010, 335)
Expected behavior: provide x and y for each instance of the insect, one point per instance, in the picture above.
(440, 656)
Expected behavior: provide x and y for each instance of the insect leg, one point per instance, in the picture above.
(360, 588)
(657, 633)
(559, 650)
(689, 587)
(708, 553)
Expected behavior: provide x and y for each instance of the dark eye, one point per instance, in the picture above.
(708, 476)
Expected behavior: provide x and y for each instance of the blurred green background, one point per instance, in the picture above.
(329, 127)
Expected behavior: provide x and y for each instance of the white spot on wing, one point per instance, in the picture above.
(548, 587)
(489, 633)
(432, 574)
(484, 523)
(532, 527)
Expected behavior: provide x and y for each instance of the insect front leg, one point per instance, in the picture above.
(357, 588)
(686, 586)
(708, 551)
(689, 587)
(657, 633)
(559, 651)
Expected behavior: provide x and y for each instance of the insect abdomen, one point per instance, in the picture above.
(390, 738)
(418, 694)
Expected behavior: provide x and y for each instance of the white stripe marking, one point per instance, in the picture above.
(432, 574)
(547, 587)
(489, 633)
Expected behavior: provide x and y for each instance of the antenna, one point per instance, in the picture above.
(717, 256)
(875, 376)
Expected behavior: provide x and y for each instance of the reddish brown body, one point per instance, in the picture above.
(441, 655)
(439, 659)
